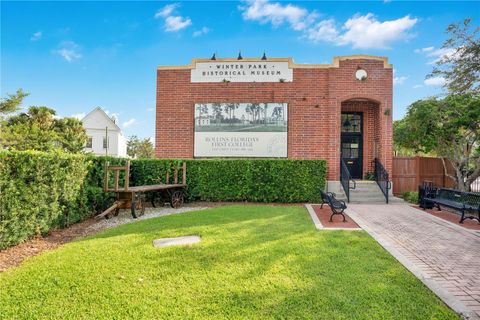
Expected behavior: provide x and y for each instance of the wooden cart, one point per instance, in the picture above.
(134, 198)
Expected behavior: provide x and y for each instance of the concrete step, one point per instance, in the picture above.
(369, 192)
(391, 200)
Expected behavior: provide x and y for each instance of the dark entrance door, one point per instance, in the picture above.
(352, 143)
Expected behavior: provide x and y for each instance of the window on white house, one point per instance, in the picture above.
(89, 142)
(105, 144)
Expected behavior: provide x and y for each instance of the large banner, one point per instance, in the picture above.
(241, 130)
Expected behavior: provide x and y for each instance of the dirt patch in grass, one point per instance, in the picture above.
(14, 256)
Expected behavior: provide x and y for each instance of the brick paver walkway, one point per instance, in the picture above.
(444, 256)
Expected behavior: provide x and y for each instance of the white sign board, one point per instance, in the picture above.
(241, 130)
(242, 71)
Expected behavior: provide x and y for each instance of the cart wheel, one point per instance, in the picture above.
(138, 204)
(177, 199)
(133, 207)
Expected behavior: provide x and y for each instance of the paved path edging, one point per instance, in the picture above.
(319, 225)
(443, 294)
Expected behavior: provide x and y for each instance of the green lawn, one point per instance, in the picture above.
(254, 262)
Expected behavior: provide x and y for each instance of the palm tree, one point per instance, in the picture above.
(233, 107)
(217, 112)
(277, 113)
(202, 108)
(249, 110)
(265, 107)
(255, 107)
(226, 108)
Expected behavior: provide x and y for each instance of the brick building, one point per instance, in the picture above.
(276, 108)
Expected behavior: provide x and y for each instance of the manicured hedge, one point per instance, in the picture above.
(269, 180)
(40, 191)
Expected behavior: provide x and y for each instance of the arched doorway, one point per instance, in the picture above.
(351, 150)
(360, 136)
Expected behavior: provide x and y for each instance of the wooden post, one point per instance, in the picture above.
(184, 178)
(127, 175)
(167, 178)
(117, 177)
(105, 177)
(175, 175)
(417, 171)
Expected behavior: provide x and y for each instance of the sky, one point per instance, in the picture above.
(75, 56)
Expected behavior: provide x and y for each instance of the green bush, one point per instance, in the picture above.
(410, 196)
(97, 200)
(268, 180)
(40, 191)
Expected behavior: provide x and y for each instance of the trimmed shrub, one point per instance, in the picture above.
(98, 200)
(40, 191)
(266, 180)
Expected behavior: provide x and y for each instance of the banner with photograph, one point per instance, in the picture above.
(241, 130)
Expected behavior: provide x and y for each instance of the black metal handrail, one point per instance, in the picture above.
(382, 178)
(345, 179)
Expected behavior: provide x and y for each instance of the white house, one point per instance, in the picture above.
(203, 121)
(98, 125)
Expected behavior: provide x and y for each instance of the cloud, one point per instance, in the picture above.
(200, 32)
(166, 11)
(427, 49)
(323, 31)
(437, 54)
(129, 123)
(173, 23)
(275, 13)
(417, 86)
(69, 51)
(151, 109)
(176, 23)
(36, 36)
(399, 80)
(366, 32)
(79, 116)
(434, 82)
(360, 31)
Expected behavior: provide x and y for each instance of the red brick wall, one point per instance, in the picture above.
(314, 100)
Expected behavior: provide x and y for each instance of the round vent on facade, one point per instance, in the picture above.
(361, 74)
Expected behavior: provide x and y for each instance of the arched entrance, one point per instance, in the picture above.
(351, 150)
(360, 136)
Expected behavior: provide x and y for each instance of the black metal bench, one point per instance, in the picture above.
(425, 192)
(337, 206)
(465, 202)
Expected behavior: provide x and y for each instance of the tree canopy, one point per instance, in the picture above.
(12, 103)
(140, 148)
(448, 128)
(460, 65)
(39, 128)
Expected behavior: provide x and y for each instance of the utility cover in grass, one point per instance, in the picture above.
(166, 242)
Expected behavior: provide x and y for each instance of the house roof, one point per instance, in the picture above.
(101, 112)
